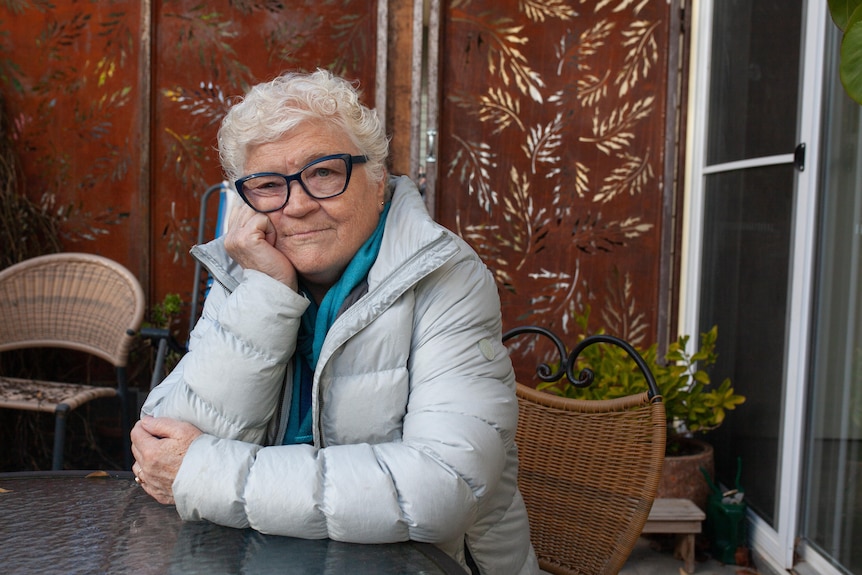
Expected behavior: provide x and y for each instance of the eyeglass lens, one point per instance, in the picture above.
(322, 179)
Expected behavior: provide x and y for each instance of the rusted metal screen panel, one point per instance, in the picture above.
(552, 151)
(71, 88)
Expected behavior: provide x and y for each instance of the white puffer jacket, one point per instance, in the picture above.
(413, 403)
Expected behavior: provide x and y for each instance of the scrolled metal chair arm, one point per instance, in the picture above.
(568, 361)
(543, 371)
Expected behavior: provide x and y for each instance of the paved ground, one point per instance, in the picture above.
(654, 556)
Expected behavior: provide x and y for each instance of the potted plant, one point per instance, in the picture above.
(693, 404)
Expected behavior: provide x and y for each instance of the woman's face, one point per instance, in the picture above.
(319, 237)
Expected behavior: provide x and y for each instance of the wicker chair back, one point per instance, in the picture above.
(588, 469)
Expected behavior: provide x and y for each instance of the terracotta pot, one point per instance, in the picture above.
(681, 475)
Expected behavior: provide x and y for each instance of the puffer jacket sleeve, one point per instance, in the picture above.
(229, 382)
(456, 439)
(463, 410)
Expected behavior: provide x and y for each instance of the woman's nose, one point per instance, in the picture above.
(299, 202)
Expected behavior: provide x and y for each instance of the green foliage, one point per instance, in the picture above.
(165, 313)
(847, 15)
(692, 403)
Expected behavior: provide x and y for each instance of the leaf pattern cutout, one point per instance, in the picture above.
(616, 131)
(553, 290)
(524, 232)
(285, 41)
(620, 315)
(208, 102)
(582, 182)
(475, 160)
(630, 178)
(205, 37)
(543, 143)
(592, 88)
(642, 53)
(593, 39)
(352, 40)
(590, 235)
(483, 238)
(621, 5)
(500, 108)
(504, 57)
(538, 10)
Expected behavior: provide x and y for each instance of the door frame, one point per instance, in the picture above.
(775, 545)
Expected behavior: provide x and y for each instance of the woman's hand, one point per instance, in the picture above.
(159, 446)
(250, 240)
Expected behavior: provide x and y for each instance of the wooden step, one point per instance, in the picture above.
(680, 517)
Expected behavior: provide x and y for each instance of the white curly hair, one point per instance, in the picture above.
(272, 109)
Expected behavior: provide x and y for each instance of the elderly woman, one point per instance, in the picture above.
(347, 378)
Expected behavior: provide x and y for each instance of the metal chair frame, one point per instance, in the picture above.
(162, 338)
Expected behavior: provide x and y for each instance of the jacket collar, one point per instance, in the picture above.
(405, 255)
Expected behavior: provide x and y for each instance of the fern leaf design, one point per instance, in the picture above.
(582, 182)
(642, 54)
(543, 142)
(611, 134)
(290, 35)
(538, 10)
(526, 225)
(475, 160)
(620, 314)
(208, 101)
(591, 89)
(622, 5)
(633, 227)
(590, 235)
(482, 238)
(517, 208)
(631, 177)
(553, 290)
(499, 108)
(565, 52)
(593, 38)
(503, 55)
(207, 36)
(352, 40)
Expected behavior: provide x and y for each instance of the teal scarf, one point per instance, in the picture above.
(314, 326)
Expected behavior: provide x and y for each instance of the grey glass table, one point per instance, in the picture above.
(74, 522)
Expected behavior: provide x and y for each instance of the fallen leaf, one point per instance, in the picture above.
(97, 474)
(5, 490)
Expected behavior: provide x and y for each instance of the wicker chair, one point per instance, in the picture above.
(74, 301)
(589, 469)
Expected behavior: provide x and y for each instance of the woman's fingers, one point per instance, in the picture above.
(159, 446)
(250, 240)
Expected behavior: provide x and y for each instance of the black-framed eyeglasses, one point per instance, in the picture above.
(323, 178)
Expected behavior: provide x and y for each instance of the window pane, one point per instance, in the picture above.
(747, 222)
(754, 79)
(833, 501)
